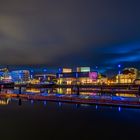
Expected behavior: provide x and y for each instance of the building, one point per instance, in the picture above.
(20, 76)
(82, 76)
(83, 69)
(66, 70)
(137, 81)
(102, 79)
(128, 76)
(45, 78)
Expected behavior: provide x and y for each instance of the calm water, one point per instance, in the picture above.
(50, 120)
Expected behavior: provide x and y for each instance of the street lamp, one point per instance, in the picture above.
(119, 66)
(32, 74)
(119, 72)
(45, 70)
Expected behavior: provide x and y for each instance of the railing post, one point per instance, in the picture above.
(139, 88)
(20, 89)
(78, 90)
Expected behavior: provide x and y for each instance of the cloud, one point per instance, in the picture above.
(68, 32)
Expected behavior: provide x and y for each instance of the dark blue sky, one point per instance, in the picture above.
(70, 32)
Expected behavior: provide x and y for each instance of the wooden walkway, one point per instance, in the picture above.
(73, 99)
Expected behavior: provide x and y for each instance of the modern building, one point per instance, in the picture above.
(20, 76)
(83, 69)
(102, 79)
(45, 77)
(66, 70)
(82, 76)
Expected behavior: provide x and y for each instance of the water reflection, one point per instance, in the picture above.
(119, 108)
(19, 102)
(68, 92)
(45, 103)
(4, 101)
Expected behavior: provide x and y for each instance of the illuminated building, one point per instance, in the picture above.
(34, 81)
(102, 79)
(137, 81)
(127, 76)
(82, 76)
(6, 79)
(20, 76)
(66, 70)
(83, 69)
(45, 77)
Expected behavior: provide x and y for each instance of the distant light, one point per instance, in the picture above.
(32, 70)
(119, 72)
(32, 101)
(45, 103)
(59, 69)
(96, 107)
(119, 66)
(45, 70)
(119, 108)
(59, 104)
(44, 76)
(76, 75)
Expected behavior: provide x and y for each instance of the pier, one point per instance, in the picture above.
(129, 88)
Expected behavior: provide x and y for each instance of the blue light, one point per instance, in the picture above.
(119, 72)
(96, 107)
(76, 75)
(45, 70)
(32, 101)
(32, 70)
(44, 76)
(60, 70)
(59, 104)
(119, 66)
(45, 103)
(119, 108)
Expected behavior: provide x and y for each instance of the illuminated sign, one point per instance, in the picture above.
(83, 69)
(67, 70)
(93, 75)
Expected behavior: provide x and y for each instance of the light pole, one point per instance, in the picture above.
(45, 70)
(119, 72)
(32, 74)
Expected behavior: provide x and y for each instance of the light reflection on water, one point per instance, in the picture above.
(69, 92)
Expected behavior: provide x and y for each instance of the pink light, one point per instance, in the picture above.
(93, 75)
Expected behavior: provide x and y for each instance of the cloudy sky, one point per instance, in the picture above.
(70, 32)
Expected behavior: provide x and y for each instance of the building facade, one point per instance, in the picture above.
(128, 76)
(20, 76)
(82, 76)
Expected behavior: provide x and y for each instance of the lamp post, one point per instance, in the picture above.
(32, 74)
(45, 70)
(119, 72)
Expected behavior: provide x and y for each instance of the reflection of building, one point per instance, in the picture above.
(4, 101)
(128, 75)
(82, 76)
(20, 76)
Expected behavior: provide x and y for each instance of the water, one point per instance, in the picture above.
(21, 119)
(30, 119)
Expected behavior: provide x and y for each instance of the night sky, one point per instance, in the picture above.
(101, 33)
